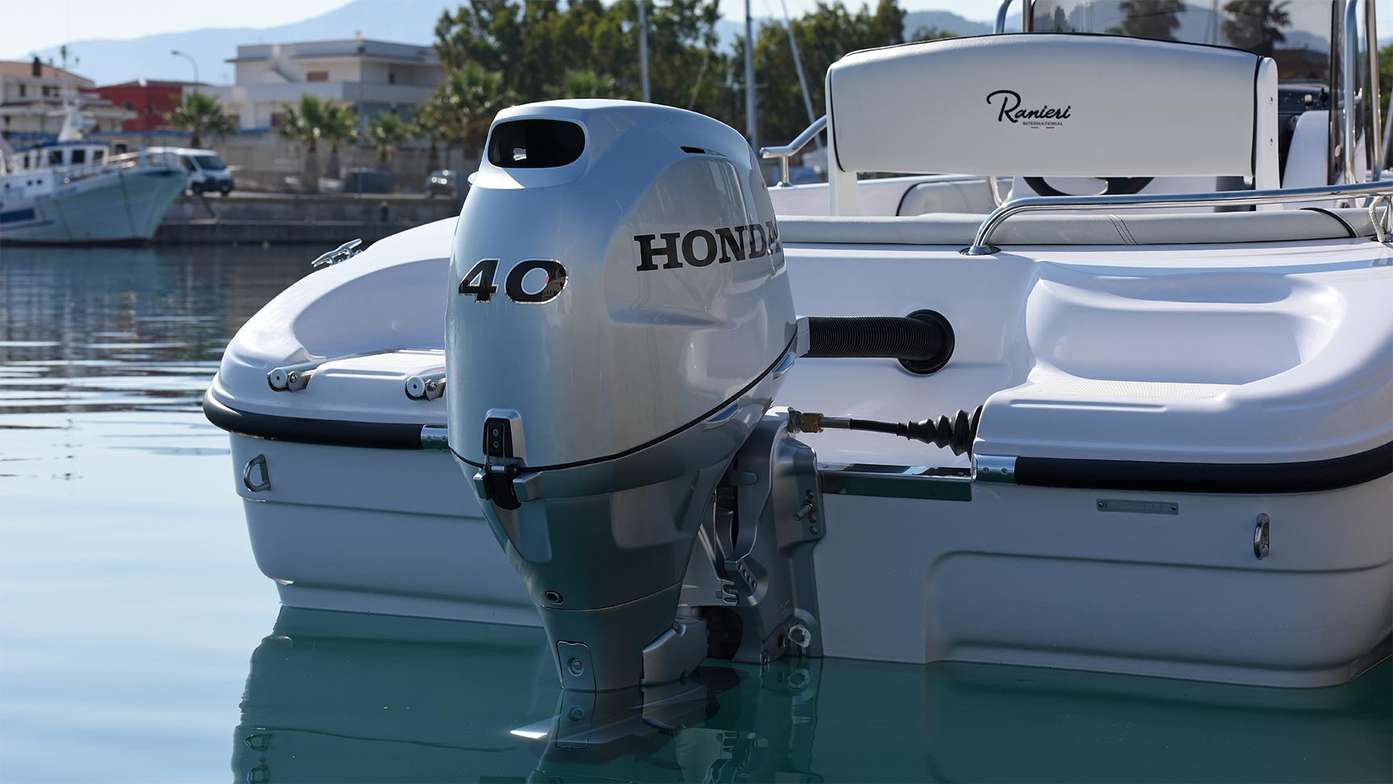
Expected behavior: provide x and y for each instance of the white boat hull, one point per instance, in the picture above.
(1220, 355)
(117, 206)
(1016, 575)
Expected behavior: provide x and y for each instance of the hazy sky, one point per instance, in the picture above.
(51, 22)
(41, 24)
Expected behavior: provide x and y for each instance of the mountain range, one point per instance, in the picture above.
(148, 57)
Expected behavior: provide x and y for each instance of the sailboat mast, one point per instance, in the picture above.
(643, 49)
(798, 68)
(751, 131)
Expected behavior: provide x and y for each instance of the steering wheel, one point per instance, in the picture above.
(1117, 186)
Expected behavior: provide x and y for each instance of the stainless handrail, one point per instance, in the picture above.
(792, 148)
(1027, 22)
(1375, 144)
(981, 242)
(1349, 67)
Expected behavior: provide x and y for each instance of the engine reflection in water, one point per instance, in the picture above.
(341, 697)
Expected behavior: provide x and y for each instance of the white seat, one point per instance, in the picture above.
(1051, 105)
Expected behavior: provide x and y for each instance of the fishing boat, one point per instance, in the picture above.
(76, 191)
(1114, 397)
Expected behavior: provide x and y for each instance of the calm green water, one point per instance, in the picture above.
(138, 642)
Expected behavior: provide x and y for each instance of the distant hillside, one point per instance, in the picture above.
(107, 61)
(729, 30)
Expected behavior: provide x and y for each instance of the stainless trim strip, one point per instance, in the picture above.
(981, 242)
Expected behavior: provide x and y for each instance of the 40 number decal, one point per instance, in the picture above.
(478, 282)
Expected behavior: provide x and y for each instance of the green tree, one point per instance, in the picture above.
(587, 84)
(340, 125)
(199, 114)
(535, 46)
(1256, 25)
(1155, 19)
(468, 98)
(304, 123)
(824, 35)
(429, 123)
(930, 34)
(387, 132)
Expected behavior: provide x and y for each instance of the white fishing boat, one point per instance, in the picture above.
(1146, 431)
(76, 191)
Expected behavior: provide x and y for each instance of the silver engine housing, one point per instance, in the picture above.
(622, 320)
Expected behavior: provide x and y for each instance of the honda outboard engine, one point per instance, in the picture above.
(621, 320)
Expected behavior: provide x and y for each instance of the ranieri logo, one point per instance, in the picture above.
(701, 247)
(1008, 109)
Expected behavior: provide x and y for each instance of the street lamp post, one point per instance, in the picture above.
(192, 62)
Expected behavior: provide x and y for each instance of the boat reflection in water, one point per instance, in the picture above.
(344, 697)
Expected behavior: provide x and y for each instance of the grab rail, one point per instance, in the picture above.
(792, 148)
(981, 242)
(1375, 143)
(1027, 15)
(1349, 66)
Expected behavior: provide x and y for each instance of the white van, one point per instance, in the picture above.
(207, 172)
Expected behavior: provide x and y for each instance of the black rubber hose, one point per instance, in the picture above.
(923, 341)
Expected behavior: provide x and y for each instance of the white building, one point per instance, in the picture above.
(372, 76)
(31, 101)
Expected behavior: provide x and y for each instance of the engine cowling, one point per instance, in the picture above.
(621, 319)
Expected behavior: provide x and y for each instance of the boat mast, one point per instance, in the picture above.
(798, 68)
(751, 131)
(643, 49)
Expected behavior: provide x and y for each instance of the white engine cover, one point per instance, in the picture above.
(657, 291)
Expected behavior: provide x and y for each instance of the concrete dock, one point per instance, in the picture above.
(278, 218)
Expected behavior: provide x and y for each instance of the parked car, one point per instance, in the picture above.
(443, 182)
(366, 180)
(207, 172)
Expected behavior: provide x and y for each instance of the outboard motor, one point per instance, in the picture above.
(621, 320)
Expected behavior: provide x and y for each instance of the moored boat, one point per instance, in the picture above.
(1165, 445)
(75, 191)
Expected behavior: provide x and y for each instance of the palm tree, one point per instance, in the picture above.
(199, 114)
(340, 125)
(470, 97)
(1155, 19)
(587, 84)
(304, 124)
(428, 122)
(1256, 25)
(387, 131)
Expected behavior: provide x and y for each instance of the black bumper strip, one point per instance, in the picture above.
(330, 432)
(1226, 478)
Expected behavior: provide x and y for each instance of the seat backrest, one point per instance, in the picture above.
(1051, 105)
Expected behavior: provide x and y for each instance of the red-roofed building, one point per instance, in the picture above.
(151, 100)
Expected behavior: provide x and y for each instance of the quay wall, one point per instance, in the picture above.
(327, 219)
